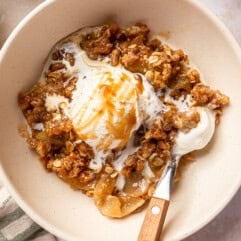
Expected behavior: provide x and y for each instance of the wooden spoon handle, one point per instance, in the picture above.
(154, 220)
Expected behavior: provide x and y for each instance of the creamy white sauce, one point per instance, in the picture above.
(183, 104)
(53, 102)
(147, 172)
(143, 184)
(197, 137)
(38, 126)
(149, 103)
(120, 182)
(129, 150)
(99, 160)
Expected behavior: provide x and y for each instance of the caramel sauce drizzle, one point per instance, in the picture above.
(139, 85)
(118, 123)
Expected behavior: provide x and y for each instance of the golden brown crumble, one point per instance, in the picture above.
(57, 143)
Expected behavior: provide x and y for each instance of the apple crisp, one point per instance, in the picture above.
(106, 111)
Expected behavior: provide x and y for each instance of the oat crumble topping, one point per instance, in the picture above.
(60, 148)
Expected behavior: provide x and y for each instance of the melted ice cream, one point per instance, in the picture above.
(197, 138)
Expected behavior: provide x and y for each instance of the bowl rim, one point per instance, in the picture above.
(33, 214)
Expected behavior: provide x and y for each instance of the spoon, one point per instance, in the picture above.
(197, 138)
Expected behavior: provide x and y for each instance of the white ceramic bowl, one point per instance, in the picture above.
(206, 186)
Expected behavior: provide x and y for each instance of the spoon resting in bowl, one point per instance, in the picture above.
(196, 139)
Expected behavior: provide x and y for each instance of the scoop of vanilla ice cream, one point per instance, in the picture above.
(108, 104)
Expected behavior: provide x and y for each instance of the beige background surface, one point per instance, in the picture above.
(227, 225)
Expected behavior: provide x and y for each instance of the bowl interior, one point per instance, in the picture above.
(206, 185)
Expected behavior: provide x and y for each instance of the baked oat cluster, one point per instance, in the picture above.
(62, 150)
